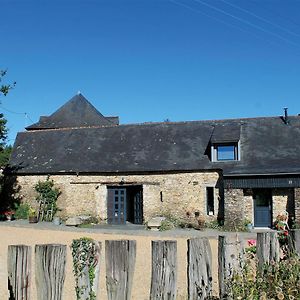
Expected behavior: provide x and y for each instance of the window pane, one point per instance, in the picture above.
(210, 201)
(226, 152)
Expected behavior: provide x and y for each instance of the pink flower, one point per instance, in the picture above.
(251, 243)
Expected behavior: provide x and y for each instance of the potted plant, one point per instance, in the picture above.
(32, 217)
(248, 224)
(9, 215)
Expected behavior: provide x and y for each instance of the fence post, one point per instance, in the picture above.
(86, 262)
(120, 263)
(19, 272)
(230, 259)
(50, 262)
(294, 242)
(199, 269)
(267, 248)
(164, 270)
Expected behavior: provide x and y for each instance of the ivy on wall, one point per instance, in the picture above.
(86, 255)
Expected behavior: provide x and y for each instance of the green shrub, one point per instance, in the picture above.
(22, 211)
(276, 281)
(166, 225)
(47, 192)
(212, 224)
(188, 221)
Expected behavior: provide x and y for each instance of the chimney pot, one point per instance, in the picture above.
(285, 117)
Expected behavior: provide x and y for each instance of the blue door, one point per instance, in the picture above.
(262, 207)
(116, 206)
(125, 204)
(138, 207)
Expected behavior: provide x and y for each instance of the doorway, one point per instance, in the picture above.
(125, 204)
(262, 207)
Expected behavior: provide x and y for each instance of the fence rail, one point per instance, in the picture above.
(50, 261)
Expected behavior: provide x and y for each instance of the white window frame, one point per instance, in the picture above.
(208, 213)
(214, 151)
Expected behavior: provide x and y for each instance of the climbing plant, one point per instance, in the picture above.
(86, 255)
(48, 194)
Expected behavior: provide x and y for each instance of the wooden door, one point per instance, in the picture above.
(116, 206)
(138, 207)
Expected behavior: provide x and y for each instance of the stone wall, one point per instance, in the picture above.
(297, 205)
(239, 204)
(233, 207)
(283, 200)
(248, 205)
(84, 194)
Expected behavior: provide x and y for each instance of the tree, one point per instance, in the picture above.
(3, 131)
(5, 155)
(4, 88)
(7, 185)
(4, 149)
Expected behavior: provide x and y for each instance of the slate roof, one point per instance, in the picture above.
(77, 112)
(78, 139)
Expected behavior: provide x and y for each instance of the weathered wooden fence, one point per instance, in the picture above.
(50, 263)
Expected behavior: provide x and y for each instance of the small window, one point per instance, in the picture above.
(225, 152)
(210, 209)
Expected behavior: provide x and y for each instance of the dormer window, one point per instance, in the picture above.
(225, 151)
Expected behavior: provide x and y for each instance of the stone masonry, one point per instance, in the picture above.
(233, 207)
(297, 205)
(239, 204)
(283, 200)
(87, 194)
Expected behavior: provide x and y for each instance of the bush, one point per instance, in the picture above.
(166, 225)
(190, 220)
(276, 281)
(22, 211)
(48, 193)
(214, 224)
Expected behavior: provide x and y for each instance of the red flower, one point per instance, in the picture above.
(9, 213)
(251, 243)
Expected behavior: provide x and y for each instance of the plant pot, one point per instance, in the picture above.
(249, 227)
(33, 219)
(56, 221)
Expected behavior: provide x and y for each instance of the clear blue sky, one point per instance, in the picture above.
(149, 60)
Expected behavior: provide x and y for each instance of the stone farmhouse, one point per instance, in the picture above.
(222, 169)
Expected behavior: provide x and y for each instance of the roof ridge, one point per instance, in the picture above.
(210, 122)
(76, 112)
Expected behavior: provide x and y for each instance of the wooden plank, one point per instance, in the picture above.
(199, 269)
(294, 241)
(230, 259)
(50, 262)
(267, 248)
(117, 184)
(164, 270)
(120, 263)
(86, 263)
(19, 272)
